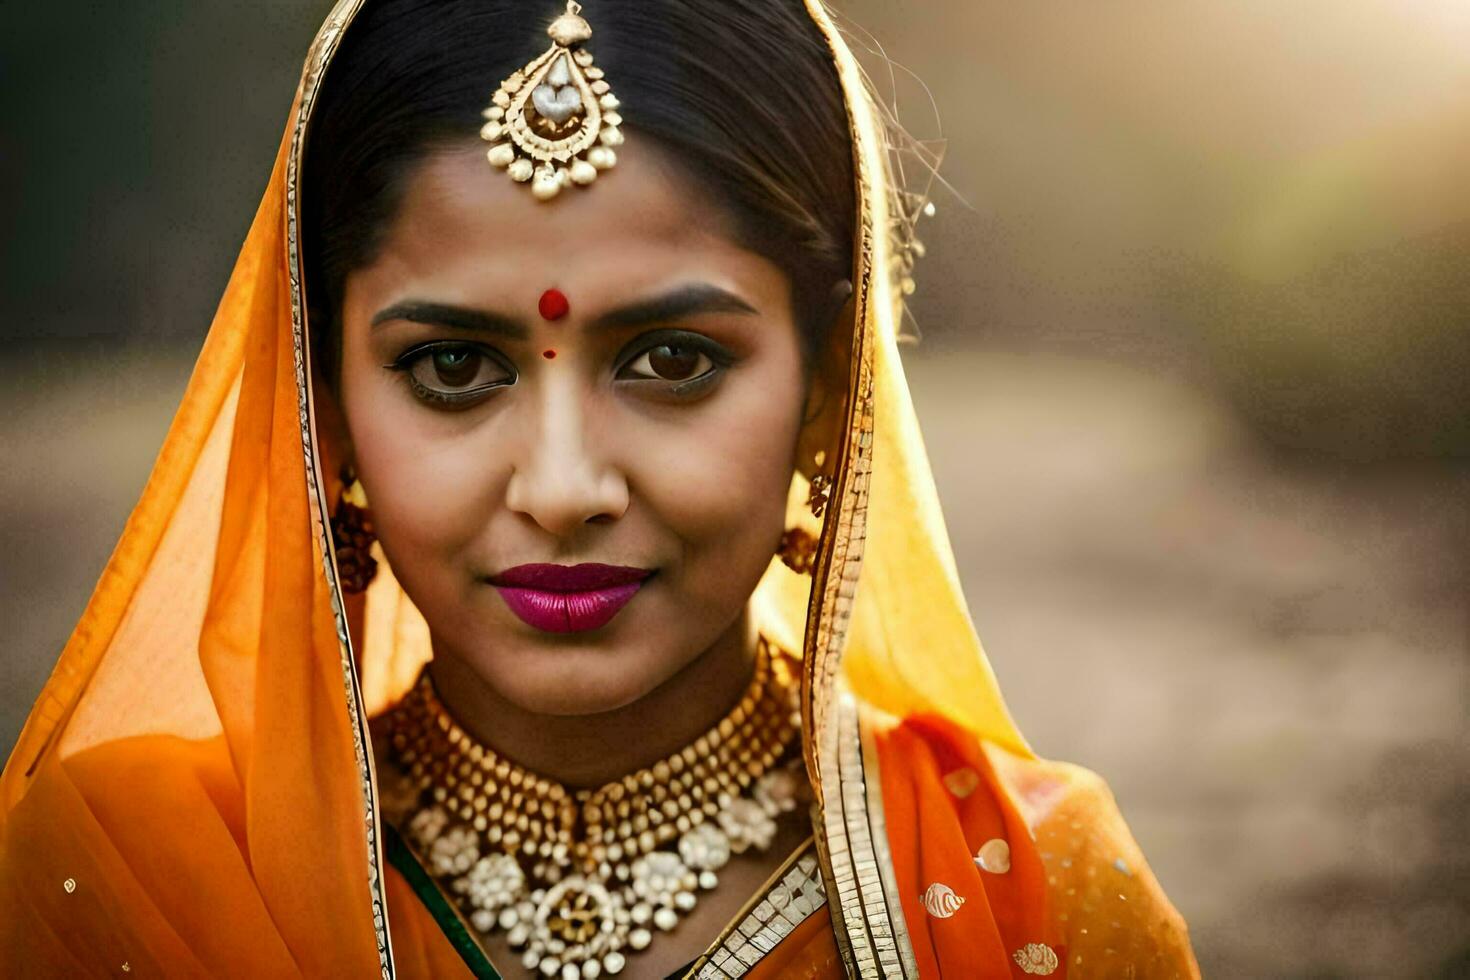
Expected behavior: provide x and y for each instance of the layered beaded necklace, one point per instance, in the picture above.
(579, 879)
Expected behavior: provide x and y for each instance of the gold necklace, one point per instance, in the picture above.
(577, 879)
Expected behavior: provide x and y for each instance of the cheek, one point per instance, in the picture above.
(427, 494)
(423, 496)
(721, 483)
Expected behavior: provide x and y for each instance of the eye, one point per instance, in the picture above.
(686, 363)
(671, 362)
(453, 374)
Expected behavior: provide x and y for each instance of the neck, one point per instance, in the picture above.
(591, 750)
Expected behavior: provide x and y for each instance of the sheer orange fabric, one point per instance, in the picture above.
(184, 798)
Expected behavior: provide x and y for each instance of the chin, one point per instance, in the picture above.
(575, 682)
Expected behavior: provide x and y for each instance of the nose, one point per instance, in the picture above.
(562, 477)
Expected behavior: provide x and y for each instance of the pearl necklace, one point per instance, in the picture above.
(579, 878)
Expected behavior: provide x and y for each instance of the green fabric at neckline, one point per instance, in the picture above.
(438, 905)
(423, 886)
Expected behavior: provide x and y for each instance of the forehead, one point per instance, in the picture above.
(643, 220)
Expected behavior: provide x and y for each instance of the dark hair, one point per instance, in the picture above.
(743, 94)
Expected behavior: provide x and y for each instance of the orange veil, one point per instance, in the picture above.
(193, 793)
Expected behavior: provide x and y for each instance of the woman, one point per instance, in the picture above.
(602, 429)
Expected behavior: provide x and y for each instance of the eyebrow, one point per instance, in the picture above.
(685, 301)
(455, 317)
(677, 304)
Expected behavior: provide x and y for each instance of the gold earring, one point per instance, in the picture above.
(352, 535)
(821, 487)
(798, 550)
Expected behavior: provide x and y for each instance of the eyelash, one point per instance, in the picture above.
(719, 357)
(405, 362)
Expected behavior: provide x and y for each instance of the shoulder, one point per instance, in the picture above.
(1106, 900)
(1106, 911)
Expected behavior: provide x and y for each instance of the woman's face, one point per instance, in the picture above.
(654, 425)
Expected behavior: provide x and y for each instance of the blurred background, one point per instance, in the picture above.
(1195, 332)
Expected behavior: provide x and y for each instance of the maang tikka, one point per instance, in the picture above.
(555, 120)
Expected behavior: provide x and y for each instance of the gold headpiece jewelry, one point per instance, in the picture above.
(555, 120)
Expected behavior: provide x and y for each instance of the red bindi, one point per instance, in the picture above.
(548, 354)
(553, 305)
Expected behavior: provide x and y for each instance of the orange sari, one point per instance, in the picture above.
(194, 793)
(1073, 880)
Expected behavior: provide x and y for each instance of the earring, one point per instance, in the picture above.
(798, 550)
(352, 535)
(821, 487)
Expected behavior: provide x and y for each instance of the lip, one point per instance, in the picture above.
(568, 598)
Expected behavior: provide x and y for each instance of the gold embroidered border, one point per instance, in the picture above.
(873, 778)
(872, 935)
(318, 57)
(873, 940)
(787, 899)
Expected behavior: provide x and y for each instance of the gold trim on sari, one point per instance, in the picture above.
(317, 60)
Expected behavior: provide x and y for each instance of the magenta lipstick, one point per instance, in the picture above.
(568, 598)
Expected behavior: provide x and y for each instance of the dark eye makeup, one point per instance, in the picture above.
(453, 374)
(665, 364)
(674, 363)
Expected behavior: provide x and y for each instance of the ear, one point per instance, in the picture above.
(333, 438)
(827, 394)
